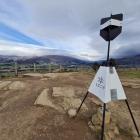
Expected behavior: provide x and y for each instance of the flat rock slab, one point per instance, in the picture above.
(44, 100)
(47, 75)
(63, 92)
(73, 103)
(33, 75)
(4, 85)
(17, 85)
(67, 96)
(131, 83)
(54, 75)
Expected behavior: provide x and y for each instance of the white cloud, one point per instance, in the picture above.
(10, 48)
(18, 49)
(70, 25)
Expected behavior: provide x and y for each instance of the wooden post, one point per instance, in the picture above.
(16, 69)
(60, 68)
(34, 67)
(49, 68)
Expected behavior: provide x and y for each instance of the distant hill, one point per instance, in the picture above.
(129, 61)
(53, 59)
(7, 59)
(133, 61)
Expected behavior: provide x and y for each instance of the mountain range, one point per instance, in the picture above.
(51, 59)
(133, 61)
(66, 60)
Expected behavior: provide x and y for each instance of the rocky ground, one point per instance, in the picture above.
(35, 106)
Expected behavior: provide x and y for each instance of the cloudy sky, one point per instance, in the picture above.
(66, 27)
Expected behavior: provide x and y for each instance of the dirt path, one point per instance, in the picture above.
(21, 120)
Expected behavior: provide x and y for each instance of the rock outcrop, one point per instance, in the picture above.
(63, 92)
(111, 129)
(72, 112)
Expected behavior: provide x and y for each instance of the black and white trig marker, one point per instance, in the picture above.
(111, 27)
(106, 84)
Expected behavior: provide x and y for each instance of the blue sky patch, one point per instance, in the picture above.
(10, 34)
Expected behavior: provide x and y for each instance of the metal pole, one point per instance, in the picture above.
(132, 117)
(103, 122)
(104, 107)
(108, 51)
(82, 102)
